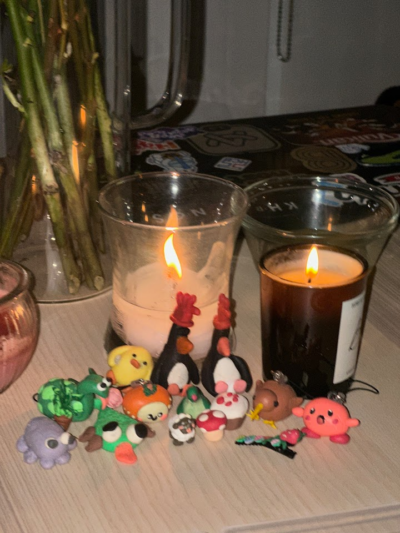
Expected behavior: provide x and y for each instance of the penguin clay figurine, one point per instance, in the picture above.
(175, 369)
(222, 371)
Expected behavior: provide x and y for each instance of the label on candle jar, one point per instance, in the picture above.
(349, 338)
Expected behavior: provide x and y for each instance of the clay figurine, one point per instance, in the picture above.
(147, 402)
(324, 417)
(193, 403)
(274, 400)
(116, 433)
(182, 429)
(45, 441)
(234, 406)
(222, 371)
(175, 369)
(129, 363)
(67, 400)
(212, 424)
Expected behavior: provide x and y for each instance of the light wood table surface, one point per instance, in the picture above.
(209, 487)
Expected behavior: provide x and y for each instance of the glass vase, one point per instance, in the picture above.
(19, 323)
(68, 133)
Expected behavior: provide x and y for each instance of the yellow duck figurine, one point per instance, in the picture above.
(129, 363)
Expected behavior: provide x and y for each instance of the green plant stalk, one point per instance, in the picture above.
(51, 40)
(89, 57)
(41, 22)
(36, 135)
(88, 256)
(77, 57)
(15, 209)
(27, 216)
(64, 29)
(105, 127)
(103, 118)
(93, 192)
(65, 113)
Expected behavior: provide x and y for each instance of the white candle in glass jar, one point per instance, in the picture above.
(141, 316)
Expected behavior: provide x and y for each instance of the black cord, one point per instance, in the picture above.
(371, 388)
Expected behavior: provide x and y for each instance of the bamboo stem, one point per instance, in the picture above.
(103, 118)
(105, 127)
(15, 210)
(51, 41)
(76, 52)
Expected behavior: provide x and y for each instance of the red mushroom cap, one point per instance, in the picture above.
(211, 420)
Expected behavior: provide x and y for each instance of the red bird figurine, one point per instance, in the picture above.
(175, 369)
(222, 371)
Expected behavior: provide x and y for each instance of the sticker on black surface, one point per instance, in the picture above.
(322, 159)
(233, 163)
(233, 139)
(173, 161)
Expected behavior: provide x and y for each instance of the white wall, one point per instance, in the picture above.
(344, 53)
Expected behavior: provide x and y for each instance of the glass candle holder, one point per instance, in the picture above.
(169, 233)
(334, 211)
(19, 323)
(312, 320)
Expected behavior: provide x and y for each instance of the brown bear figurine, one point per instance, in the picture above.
(273, 400)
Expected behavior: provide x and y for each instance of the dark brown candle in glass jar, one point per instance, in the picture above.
(312, 320)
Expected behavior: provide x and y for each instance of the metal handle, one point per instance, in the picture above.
(173, 95)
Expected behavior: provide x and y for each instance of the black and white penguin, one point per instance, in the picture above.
(223, 371)
(175, 369)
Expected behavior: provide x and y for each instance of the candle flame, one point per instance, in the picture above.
(75, 160)
(83, 116)
(312, 264)
(171, 258)
(172, 221)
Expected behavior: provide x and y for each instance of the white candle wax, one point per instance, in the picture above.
(141, 315)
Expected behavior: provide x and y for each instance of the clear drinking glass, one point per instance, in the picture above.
(19, 323)
(200, 216)
(332, 211)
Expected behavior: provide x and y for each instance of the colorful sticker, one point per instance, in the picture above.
(167, 133)
(141, 146)
(352, 148)
(337, 197)
(221, 139)
(174, 161)
(390, 182)
(333, 130)
(233, 163)
(384, 160)
(322, 159)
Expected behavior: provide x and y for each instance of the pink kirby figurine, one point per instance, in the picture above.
(324, 417)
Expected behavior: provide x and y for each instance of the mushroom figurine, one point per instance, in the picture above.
(212, 424)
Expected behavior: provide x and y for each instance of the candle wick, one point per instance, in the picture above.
(309, 280)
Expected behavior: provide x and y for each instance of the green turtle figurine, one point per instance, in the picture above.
(67, 400)
(117, 433)
(193, 403)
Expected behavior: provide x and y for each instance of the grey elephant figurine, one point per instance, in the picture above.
(46, 441)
